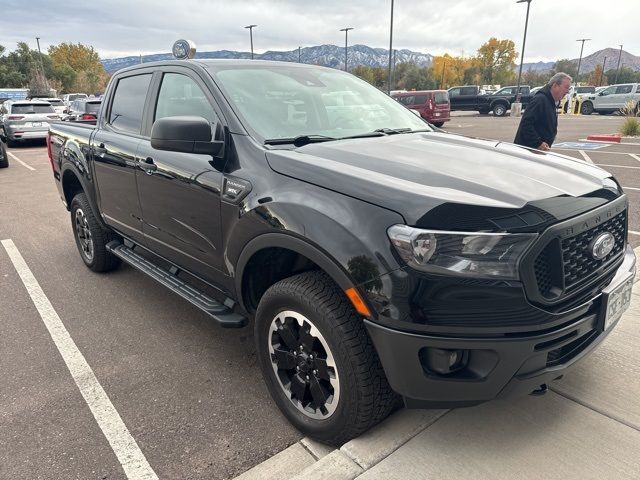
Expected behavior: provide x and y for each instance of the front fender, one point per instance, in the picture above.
(344, 236)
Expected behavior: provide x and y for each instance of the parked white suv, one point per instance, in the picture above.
(612, 99)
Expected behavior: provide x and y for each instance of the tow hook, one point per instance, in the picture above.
(541, 390)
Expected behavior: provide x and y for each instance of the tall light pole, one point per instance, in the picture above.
(42, 65)
(524, 41)
(390, 47)
(444, 66)
(602, 72)
(251, 27)
(580, 59)
(346, 32)
(618, 67)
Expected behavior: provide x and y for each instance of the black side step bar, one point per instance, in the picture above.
(218, 311)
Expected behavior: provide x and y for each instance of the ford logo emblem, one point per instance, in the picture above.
(603, 245)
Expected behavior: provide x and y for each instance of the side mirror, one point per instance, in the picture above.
(188, 134)
(601, 94)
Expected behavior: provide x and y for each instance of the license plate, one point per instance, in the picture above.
(36, 124)
(617, 301)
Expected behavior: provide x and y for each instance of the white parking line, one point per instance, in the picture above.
(634, 233)
(131, 458)
(20, 161)
(585, 156)
(617, 166)
(633, 155)
(631, 188)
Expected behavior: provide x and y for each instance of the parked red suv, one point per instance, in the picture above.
(433, 105)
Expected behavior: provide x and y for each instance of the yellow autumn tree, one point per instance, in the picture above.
(597, 77)
(496, 59)
(449, 70)
(80, 64)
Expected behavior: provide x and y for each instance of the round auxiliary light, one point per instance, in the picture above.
(184, 49)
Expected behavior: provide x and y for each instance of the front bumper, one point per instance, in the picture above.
(497, 365)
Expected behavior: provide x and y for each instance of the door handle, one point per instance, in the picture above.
(148, 165)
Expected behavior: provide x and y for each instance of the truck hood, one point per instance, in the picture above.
(413, 173)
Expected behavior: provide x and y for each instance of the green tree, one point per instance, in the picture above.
(496, 60)
(78, 67)
(565, 65)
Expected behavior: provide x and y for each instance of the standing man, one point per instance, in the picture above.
(539, 123)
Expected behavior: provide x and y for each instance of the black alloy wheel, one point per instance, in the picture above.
(318, 361)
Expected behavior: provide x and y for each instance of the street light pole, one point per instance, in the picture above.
(580, 59)
(346, 32)
(390, 47)
(444, 66)
(42, 65)
(250, 27)
(618, 67)
(524, 41)
(602, 72)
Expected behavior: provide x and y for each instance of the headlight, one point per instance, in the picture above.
(464, 254)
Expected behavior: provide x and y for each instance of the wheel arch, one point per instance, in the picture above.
(300, 255)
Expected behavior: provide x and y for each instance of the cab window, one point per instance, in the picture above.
(181, 95)
(128, 103)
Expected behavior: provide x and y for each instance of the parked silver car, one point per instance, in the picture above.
(612, 99)
(25, 119)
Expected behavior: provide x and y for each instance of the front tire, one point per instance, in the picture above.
(91, 237)
(4, 158)
(318, 361)
(586, 108)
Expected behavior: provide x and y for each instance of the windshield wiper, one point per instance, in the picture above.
(300, 140)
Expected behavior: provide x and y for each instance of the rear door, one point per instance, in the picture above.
(180, 196)
(115, 146)
(623, 94)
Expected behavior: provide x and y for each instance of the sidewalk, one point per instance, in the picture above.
(586, 427)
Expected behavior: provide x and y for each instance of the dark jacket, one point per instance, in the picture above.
(539, 121)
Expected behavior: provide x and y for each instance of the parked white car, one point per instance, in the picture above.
(67, 98)
(57, 104)
(612, 99)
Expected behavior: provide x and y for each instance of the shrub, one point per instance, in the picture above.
(631, 125)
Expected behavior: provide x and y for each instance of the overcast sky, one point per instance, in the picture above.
(117, 28)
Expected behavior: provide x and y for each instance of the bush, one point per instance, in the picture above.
(631, 125)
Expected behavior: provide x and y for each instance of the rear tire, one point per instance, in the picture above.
(91, 237)
(438, 124)
(318, 361)
(500, 110)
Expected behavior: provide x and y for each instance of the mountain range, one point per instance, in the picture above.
(333, 56)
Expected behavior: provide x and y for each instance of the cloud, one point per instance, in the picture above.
(120, 28)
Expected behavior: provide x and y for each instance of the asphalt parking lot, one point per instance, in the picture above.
(188, 394)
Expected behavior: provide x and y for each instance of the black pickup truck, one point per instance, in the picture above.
(376, 258)
(471, 98)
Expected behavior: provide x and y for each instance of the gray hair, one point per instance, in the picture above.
(558, 78)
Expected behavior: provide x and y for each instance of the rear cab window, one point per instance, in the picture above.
(128, 103)
(93, 107)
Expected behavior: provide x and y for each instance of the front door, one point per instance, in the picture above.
(180, 195)
(114, 154)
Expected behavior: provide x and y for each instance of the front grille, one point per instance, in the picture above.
(577, 258)
(574, 254)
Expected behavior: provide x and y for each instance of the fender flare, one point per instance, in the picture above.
(298, 245)
(68, 167)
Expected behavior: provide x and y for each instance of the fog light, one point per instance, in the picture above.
(443, 361)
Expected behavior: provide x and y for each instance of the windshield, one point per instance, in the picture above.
(29, 108)
(77, 96)
(289, 101)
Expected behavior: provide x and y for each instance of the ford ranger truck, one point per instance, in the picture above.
(375, 258)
